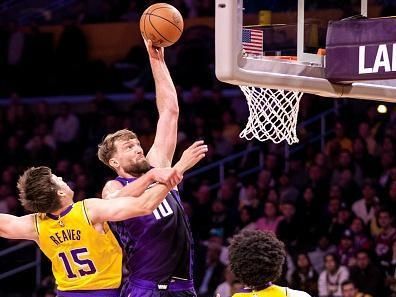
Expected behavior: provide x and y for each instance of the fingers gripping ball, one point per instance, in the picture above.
(162, 24)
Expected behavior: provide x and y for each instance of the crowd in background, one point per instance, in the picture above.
(100, 11)
(334, 207)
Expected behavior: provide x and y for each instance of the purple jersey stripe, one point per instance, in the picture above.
(90, 293)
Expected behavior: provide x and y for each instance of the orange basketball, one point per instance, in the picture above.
(162, 24)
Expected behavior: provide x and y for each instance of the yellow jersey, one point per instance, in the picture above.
(81, 257)
(273, 291)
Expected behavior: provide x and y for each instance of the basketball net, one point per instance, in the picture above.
(273, 114)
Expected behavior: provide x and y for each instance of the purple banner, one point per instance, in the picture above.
(361, 50)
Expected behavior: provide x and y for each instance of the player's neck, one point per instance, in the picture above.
(128, 175)
(64, 206)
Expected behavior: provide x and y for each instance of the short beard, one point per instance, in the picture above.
(138, 169)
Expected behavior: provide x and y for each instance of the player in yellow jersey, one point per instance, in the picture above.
(256, 258)
(86, 258)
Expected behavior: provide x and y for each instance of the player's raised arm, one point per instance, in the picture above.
(163, 149)
(13, 227)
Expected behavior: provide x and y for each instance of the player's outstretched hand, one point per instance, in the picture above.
(156, 53)
(191, 156)
(167, 176)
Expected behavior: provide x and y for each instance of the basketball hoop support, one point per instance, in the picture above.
(307, 57)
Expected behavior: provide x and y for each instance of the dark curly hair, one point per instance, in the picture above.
(256, 257)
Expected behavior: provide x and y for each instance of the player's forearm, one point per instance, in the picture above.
(181, 167)
(124, 207)
(166, 96)
(13, 227)
(153, 197)
(138, 187)
(4, 219)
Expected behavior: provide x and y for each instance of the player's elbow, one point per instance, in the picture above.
(172, 105)
(173, 110)
(143, 209)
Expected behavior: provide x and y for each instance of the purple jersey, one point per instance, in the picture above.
(157, 246)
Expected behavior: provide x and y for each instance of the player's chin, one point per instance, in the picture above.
(145, 165)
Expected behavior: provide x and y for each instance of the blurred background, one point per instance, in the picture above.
(73, 71)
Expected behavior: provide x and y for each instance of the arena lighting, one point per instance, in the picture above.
(382, 108)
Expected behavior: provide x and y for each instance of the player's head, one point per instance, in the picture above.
(348, 289)
(256, 258)
(121, 151)
(41, 191)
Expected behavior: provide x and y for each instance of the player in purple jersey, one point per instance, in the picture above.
(158, 247)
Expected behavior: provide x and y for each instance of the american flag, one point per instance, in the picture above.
(252, 41)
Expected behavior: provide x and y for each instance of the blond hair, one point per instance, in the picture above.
(107, 148)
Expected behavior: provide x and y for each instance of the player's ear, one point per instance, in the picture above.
(114, 163)
(61, 193)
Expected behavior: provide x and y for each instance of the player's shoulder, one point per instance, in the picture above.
(296, 293)
(111, 188)
(113, 183)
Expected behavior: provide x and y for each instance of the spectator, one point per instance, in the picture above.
(341, 141)
(365, 207)
(340, 224)
(350, 191)
(225, 288)
(289, 228)
(65, 130)
(346, 250)
(245, 220)
(366, 134)
(329, 217)
(201, 204)
(349, 290)
(391, 202)
(286, 190)
(345, 162)
(270, 220)
(366, 276)
(384, 241)
(317, 181)
(331, 278)
(308, 209)
(361, 239)
(211, 275)
(365, 162)
(390, 272)
(317, 256)
(16, 44)
(248, 197)
(264, 182)
(305, 277)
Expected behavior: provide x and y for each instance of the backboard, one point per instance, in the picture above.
(306, 74)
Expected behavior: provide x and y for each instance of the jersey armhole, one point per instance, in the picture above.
(86, 213)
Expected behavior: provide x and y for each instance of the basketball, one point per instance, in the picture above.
(162, 24)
